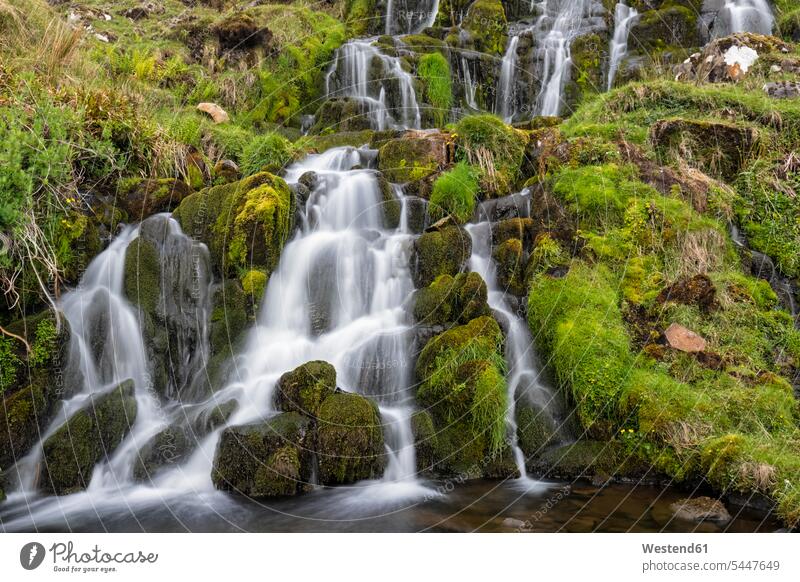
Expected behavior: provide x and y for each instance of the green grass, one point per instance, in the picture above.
(434, 70)
(455, 193)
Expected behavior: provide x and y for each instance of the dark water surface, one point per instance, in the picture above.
(484, 506)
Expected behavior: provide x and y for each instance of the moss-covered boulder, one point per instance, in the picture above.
(230, 318)
(349, 439)
(585, 459)
(32, 383)
(718, 148)
(462, 385)
(391, 205)
(168, 448)
(442, 252)
(589, 53)
(414, 156)
(142, 198)
(341, 114)
(90, 436)
(425, 441)
(536, 430)
(451, 299)
(486, 22)
(305, 388)
(671, 26)
(265, 459)
(511, 260)
(244, 224)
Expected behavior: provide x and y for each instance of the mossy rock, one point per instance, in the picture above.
(349, 439)
(511, 260)
(142, 281)
(24, 414)
(589, 53)
(305, 388)
(265, 459)
(486, 22)
(168, 448)
(408, 159)
(672, 26)
(141, 198)
(584, 459)
(522, 229)
(245, 224)
(536, 431)
(480, 338)
(391, 205)
(718, 148)
(789, 25)
(442, 252)
(425, 441)
(341, 114)
(90, 436)
(229, 317)
(451, 299)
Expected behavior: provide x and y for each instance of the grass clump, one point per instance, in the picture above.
(454, 193)
(269, 152)
(434, 70)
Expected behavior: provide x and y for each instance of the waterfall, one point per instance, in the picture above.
(523, 369)
(504, 105)
(624, 17)
(410, 16)
(107, 346)
(564, 18)
(469, 85)
(336, 295)
(378, 82)
(743, 16)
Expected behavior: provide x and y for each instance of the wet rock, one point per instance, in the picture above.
(536, 430)
(700, 509)
(673, 26)
(522, 229)
(425, 441)
(90, 436)
(783, 89)
(217, 113)
(305, 388)
(683, 339)
(443, 252)
(416, 213)
(265, 459)
(342, 114)
(143, 198)
(511, 260)
(168, 448)
(349, 439)
(511, 206)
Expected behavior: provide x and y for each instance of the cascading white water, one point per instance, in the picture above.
(361, 72)
(523, 369)
(504, 99)
(744, 16)
(410, 16)
(337, 295)
(563, 19)
(624, 18)
(469, 85)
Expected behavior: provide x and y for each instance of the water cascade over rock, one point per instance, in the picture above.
(720, 18)
(624, 17)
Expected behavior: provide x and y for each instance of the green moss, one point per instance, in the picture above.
(789, 24)
(253, 283)
(454, 193)
(496, 149)
(22, 415)
(305, 388)
(588, 53)
(535, 429)
(245, 224)
(142, 281)
(349, 439)
(434, 70)
(449, 299)
(88, 437)
(408, 159)
(425, 441)
(670, 26)
(436, 253)
(486, 22)
(546, 255)
(510, 260)
(265, 459)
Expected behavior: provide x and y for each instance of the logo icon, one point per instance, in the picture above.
(31, 555)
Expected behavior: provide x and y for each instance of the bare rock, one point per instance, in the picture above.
(684, 339)
(217, 113)
(700, 509)
(783, 89)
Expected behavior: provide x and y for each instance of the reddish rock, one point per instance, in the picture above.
(684, 339)
(217, 113)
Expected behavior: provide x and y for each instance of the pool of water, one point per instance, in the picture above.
(482, 506)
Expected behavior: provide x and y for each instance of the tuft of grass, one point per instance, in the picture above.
(455, 193)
